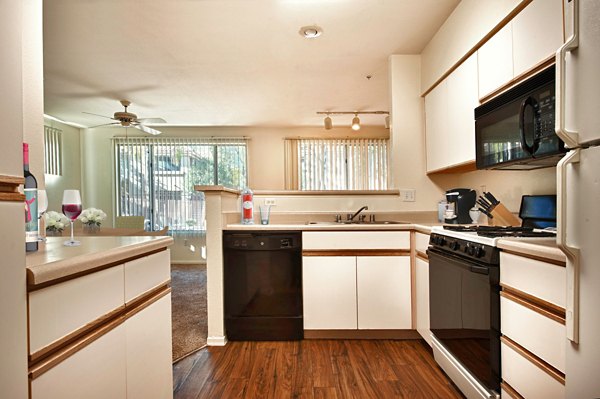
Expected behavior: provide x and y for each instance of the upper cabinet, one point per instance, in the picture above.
(450, 127)
(530, 38)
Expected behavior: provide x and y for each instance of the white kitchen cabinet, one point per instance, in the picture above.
(98, 371)
(329, 292)
(383, 291)
(495, 61)
(422, 287)
(144, 274)
(148, 338)
(450, 124)
(537, 32)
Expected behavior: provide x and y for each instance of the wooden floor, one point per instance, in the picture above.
(313, 369)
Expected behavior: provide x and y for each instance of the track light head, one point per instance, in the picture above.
(355, 122)
(328, 123)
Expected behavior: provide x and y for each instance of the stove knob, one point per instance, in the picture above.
(442, 241)
(479, 252)
(454, 245)
(472, 250)
(467, 248)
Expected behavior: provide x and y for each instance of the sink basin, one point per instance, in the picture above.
(377, 222)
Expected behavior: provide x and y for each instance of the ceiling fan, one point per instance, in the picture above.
(127, 119)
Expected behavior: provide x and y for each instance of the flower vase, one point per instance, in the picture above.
(92, 228)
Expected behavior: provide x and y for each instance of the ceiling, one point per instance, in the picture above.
(228, 62)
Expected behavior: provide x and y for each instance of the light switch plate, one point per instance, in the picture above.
(408, 195)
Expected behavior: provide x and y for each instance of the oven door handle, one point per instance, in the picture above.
(479, 269)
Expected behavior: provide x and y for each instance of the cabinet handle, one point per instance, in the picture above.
(570, 138)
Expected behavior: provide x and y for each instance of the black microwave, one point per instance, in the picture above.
(515, 130)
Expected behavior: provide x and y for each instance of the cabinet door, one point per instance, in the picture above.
(537, 34)
(463, 98)
(495, 62)
(422, 277)
(436, 120)
(329, 292)
(149, 367)
(98, 371)
(144, 274)
(383, 290)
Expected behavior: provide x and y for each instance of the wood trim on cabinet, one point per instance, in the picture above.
(535, 257)
(480, 43)
(361, 334)
(66, 352)
(357, 252)
(49, 356)
(422, 256)
(545, 63)
(468, 166)
(541, 364)
(9, 188)
(413, 281)
(35, 287)
(534, 303)
(511, 391)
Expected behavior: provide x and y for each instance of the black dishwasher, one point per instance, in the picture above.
(263, 286)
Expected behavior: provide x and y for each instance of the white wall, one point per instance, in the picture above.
(71, 162)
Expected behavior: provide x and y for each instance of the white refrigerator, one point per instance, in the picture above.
(578, 191)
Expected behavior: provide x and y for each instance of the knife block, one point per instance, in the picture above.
(503, 217)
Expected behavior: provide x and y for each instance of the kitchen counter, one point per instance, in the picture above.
(421, 227)
(53, 261)
(544, 248)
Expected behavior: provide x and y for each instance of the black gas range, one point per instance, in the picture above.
(464, 289)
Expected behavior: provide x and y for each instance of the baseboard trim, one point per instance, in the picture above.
(216, 341)
(361, 334)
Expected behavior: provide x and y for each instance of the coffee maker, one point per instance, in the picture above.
(462, 199)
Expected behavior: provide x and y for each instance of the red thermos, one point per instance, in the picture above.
(247, 206)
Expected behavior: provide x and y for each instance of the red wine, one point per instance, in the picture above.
(31, 213)
(72, 210)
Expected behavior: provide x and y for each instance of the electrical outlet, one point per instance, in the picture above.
(408, 195)
(270, 201)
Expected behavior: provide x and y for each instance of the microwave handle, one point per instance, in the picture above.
(530, 149)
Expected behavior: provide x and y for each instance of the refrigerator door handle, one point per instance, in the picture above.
(571, 252)
(570, 138)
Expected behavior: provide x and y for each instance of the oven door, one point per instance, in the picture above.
(465, 313)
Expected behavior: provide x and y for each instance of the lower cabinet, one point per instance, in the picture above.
(97, 371)
(356, 292)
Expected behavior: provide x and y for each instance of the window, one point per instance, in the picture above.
(52, 151)
(337, 164)
(155, 178)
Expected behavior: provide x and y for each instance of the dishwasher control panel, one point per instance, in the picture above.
(261, 241)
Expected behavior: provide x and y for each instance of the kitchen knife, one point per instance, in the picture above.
(491, 198)
(483, 202)
(486, 213)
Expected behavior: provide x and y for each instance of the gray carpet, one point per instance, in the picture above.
(188, 302)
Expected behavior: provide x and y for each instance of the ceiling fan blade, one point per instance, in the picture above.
(103, 116)
(151, 120)
(105, 124)
(146, 129)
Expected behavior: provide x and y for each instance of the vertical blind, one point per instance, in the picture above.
(155, 178)
(52, 151)
(337, 164)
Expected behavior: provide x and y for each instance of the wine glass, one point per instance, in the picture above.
(71, 207)
(42, 208)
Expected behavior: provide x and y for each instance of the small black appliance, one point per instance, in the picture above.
(463, 199)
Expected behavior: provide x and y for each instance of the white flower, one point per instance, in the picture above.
(55, 221)
(92, 216)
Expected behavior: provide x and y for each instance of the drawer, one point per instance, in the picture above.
(546, 281)
(421, 242)
(353, 240)
(527, 378)
(541, 335)
(57, 311)
(142, 275)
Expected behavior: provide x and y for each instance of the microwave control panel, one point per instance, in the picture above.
(545, 114)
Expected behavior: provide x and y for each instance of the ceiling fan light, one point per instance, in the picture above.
(355, 123)
(328, 123)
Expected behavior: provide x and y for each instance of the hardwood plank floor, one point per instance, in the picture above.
(336, 369)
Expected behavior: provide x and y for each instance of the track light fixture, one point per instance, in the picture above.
(356, 120)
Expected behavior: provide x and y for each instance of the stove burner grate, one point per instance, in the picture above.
(501, 231)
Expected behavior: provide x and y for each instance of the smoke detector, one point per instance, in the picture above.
(310, 32)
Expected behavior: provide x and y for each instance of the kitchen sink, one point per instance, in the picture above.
(365, 222)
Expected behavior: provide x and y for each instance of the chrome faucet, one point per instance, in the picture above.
(357, 212)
